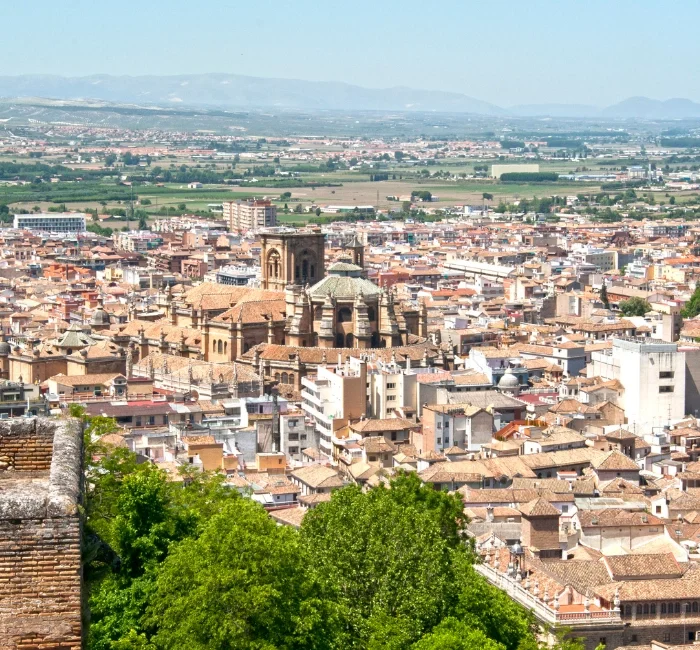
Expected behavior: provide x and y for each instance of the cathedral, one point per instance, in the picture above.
(302, 314)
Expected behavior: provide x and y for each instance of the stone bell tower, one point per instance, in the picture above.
(292, 258)
(357, 251)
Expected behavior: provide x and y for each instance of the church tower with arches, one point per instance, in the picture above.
(292, 258)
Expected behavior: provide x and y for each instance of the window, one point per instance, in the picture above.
(652, 609)
(390, 386)
(665, 389)
(439, 441)
(447, 440)
(663, 608)
(639, 609)
(666, 636)
(151, 419)
(391, 398)
(666, 374)
(565, 508)
(294, 450)
(439, 425)
(657, 509)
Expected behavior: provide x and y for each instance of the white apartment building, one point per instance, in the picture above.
(333, 397)
(67, 222)
(250, 215)
(296, 434)
(652, 374)
(603, 260)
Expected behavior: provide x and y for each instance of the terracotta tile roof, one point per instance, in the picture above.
(582, 575)
(539, 508)
(616, 517)
(211, 296)
(370, 426)
(254, 312)
(658, 565)
(686, 587)
(318, 476)
(289, 516)
(85, 380)
(615, 461)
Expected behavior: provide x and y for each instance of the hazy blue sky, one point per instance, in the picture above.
(507, 52)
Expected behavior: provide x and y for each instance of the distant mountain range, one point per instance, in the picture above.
(239, 91)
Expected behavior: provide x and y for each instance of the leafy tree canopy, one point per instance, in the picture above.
(635, 306)
(192, 564)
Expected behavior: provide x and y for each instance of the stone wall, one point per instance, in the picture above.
(24, 448)
(40, 569)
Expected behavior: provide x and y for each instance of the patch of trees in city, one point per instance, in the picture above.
(681, 142)
(530, 177)
(193, 564)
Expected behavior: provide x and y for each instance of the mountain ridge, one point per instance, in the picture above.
(226, 90)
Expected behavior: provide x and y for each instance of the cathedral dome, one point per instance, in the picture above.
(509, 381)
(339, 284)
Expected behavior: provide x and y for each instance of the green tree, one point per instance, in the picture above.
(635, 306)
(241, 584)
(298, 208)
(692, 307)
(604, 296)
(453, 634)
(361, 546)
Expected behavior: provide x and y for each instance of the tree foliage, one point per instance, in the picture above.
(635, 306)
(692, 307)
(192, 564)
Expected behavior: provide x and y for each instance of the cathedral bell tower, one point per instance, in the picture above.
(292, 258)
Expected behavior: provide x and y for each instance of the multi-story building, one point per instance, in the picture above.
(653, 375)
(250, 215)
(137, 241)
(333, 397)
(239, 276)
(64, 222)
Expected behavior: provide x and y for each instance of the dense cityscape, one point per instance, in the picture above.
(291, 365)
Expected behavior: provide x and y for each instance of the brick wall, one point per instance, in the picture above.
(540, 532)
(40, 533)
(40, 584)
(23, 447)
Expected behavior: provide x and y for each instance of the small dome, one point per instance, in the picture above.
(5, 348)
(99, 317)
(509, 380)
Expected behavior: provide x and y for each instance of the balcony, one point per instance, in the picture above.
(545, 613)
(311, 397)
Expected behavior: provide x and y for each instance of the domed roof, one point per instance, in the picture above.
(509, 380)
(339, 286)
(5, 348)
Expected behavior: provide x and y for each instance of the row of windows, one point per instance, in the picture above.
(665, 609)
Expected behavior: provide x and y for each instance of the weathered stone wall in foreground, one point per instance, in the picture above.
(40, 569)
